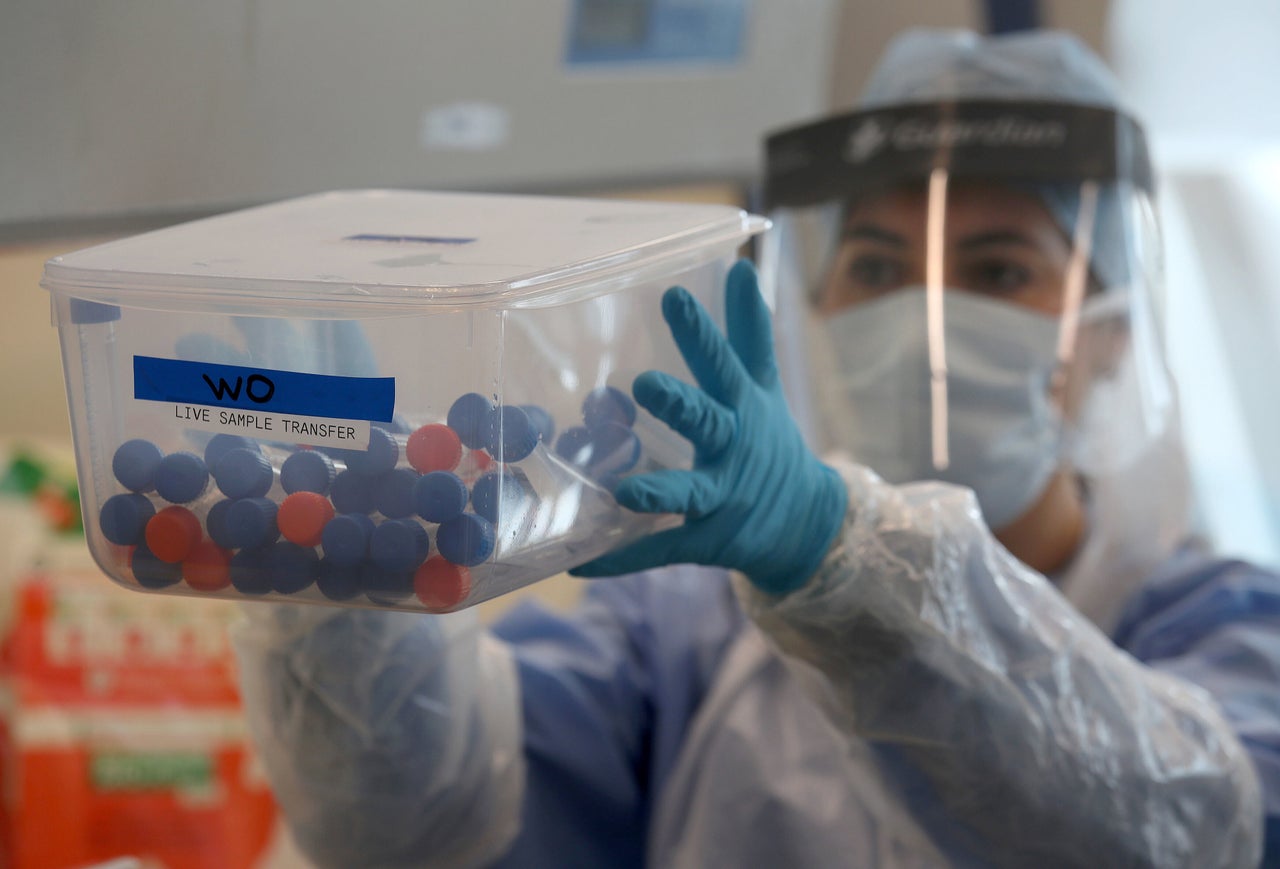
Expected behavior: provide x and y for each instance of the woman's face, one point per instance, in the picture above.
(997, 241)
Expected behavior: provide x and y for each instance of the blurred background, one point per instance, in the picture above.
(119, 730)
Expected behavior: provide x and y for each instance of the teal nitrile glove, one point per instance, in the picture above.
(757, 500)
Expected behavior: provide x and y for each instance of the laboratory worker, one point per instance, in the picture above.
(935, 599)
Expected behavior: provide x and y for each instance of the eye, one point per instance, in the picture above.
(877, 272)
(998, 276)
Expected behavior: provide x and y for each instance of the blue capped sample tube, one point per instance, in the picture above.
(353, 493)
(384, 586)
(495, 492)
(381, 455)
(608, 404)
(393, 496)
(338, 582)
(251, 522)
(542, 422)
(615, 449)
(574, 445)
(134, 464)
(215, 523)
(220, 444)
(440, 496)
(123, 518)
(242, 473)
(251, 570)
(467, 540)
(509, 436)
(293, 567)
(181, 477)
(307, 471)
(399, 544)
(469, 417)
(345, 538)
(151, 572)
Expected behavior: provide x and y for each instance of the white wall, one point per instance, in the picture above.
(1203, 79)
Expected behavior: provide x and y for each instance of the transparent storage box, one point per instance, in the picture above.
(376, 398)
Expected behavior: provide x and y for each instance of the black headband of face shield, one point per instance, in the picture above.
(997, 140)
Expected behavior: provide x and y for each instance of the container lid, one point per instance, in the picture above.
(399, 247)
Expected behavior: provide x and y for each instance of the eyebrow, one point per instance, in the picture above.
(1005, 236)
(869, 232)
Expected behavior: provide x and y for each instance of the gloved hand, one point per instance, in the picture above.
(389, 738)
(757, 500)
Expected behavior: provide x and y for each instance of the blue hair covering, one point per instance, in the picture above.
(929, 65)
(924, 65)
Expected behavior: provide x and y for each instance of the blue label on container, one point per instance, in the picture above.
(404, 239)
(265, 389)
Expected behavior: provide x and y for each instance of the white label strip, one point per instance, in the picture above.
(349, 434)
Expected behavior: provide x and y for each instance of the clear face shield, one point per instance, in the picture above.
(964, 293)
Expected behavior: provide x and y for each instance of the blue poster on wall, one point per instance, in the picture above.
(607, 32)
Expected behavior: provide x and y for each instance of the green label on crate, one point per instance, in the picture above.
(137, 772)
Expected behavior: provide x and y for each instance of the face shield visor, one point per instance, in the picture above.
(965, 293)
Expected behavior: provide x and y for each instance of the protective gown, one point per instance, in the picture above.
(925, 699)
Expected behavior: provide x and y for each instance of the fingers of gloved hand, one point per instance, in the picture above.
(656, 550)
(322, 346)
(691, 413)
(749, 324)
(349, 349)
(669, 491)
(203, 347)
(704, 349)
(276, 343)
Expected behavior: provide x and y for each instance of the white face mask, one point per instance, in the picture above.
(1004, 434)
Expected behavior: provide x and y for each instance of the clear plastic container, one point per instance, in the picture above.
(376, 398)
